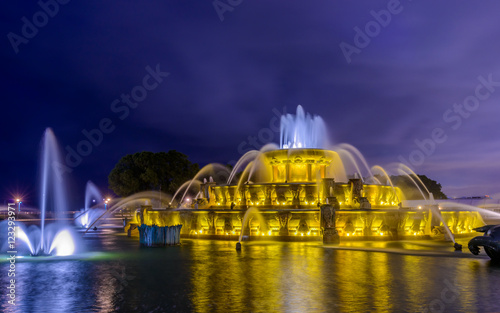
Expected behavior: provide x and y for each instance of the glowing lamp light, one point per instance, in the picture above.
(270, 232)
(347, 234)
(420, 208)
(302, 234)
(201, 231)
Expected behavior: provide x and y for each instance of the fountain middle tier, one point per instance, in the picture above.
(286, 223)
(296, 178)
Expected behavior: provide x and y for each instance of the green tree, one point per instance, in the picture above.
(151, 171)
(411, 191)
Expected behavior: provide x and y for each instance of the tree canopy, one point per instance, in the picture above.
(412, 192)
(151, 171)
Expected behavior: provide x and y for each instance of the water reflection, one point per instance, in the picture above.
(210, 276)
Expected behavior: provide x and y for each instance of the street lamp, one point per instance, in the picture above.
(106, 201)
(19, 204)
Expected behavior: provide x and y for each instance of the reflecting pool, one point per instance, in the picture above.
(210, 276)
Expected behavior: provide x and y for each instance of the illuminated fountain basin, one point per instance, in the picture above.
(288, 186)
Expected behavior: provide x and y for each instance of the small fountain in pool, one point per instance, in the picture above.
(245, 222)
(56, 238)
(89, 214)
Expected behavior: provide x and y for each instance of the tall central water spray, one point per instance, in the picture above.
(52, 190)
(302, 131)
(56, 238)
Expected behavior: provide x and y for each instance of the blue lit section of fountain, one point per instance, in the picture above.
(56, 238)
(90, 213)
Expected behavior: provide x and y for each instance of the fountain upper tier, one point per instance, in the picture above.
(297, 177)
(300, 166)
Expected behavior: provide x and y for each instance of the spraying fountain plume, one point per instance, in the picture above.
(56, 238)
(302, 131)
(90, 212)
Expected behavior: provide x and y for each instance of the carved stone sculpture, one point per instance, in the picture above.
(490, 241)
(330, 233)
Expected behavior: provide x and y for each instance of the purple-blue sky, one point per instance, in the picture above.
(226, 77)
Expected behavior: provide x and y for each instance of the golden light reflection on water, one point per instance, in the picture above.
(299, 277)
(211, 276)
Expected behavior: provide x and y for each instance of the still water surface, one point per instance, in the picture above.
(210, 276)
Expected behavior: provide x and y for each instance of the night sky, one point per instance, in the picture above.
(228, 78)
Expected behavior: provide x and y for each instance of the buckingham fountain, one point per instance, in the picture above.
(305, 189)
